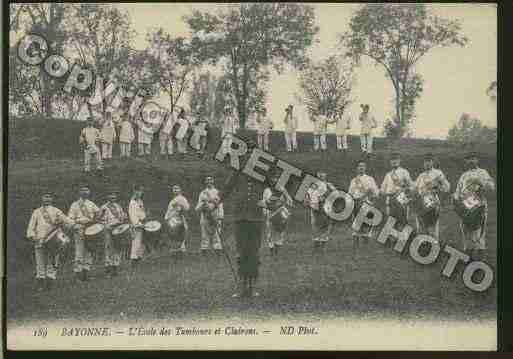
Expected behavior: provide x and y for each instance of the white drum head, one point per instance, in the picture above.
(122, 228)
(152, 226)
(94, 229)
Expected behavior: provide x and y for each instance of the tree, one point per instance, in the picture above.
(202, 94)
(397, 36)
(48, 21)
(174, 61)
(326, 87)
(469, 132)
(250, 37)
(100, 36)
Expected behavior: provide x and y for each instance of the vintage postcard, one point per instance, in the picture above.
(255, 176)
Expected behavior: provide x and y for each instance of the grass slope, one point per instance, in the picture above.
(373, 281)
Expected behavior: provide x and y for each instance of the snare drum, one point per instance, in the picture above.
(279, 219)
(428, 208)
(402, 199)
(56, 241)
(121, 235)
(176, 228)
(93, 236)
(471, 211)
(152, 226)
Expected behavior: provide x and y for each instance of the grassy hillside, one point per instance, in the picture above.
(373, 280)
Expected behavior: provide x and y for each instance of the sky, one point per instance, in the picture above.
(455, 79)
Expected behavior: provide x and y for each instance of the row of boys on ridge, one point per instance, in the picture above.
(275, 203)
(97, 143)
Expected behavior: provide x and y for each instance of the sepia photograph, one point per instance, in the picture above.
(251, 176)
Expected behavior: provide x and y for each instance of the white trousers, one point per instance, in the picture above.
(342, 142)
(227, 142)
(144, 149)
(83, 257)
(112, 254)
(274, 237)
(106, 150)
(94, 156)
(291, 141)
(366, 140)
(263, 141)
(320, 142)
(182, 145)
(45, 264)
(166, 145)
(137, 247)
(125, 148)
(209, 235)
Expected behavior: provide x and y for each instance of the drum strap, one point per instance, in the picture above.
(84, 210)
(115, 212)
(47, 217)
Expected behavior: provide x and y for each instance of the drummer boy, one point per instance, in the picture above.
(43, 222)
(84, 213)
(112, 215)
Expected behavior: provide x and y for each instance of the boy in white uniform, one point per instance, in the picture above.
(165, 136)
(43, 222)
(342, 125)
(264, 126)
(177, 209)
(368, 123)
(276, 214)
(108, 133)
(112, 215)
(211, 212)
(126, 136)
(90, 138)
(473, 184)
(137, 215)
(363, 189)
(228, 128)
(396, 187)
(290, 129)
(84, 213)
(428, 186)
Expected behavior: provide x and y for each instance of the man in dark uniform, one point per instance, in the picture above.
(245, 193)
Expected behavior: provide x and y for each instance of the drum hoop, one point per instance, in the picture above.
(98, 225)
(124, 225)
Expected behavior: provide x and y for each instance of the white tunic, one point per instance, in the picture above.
(90, 136)
(211, 195)
(363, 186)
(343, 124)
(264, 126)
(320, 125)
(41, 225)
(108, 132)
(167, 127)
(368, 122)
(112, 214)
(290, 123)
(428, 178)
(83, 211)
(176, 207)
(476, 175)
(126, 133)
(392, 179)
(228, 125)
(136, 211)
